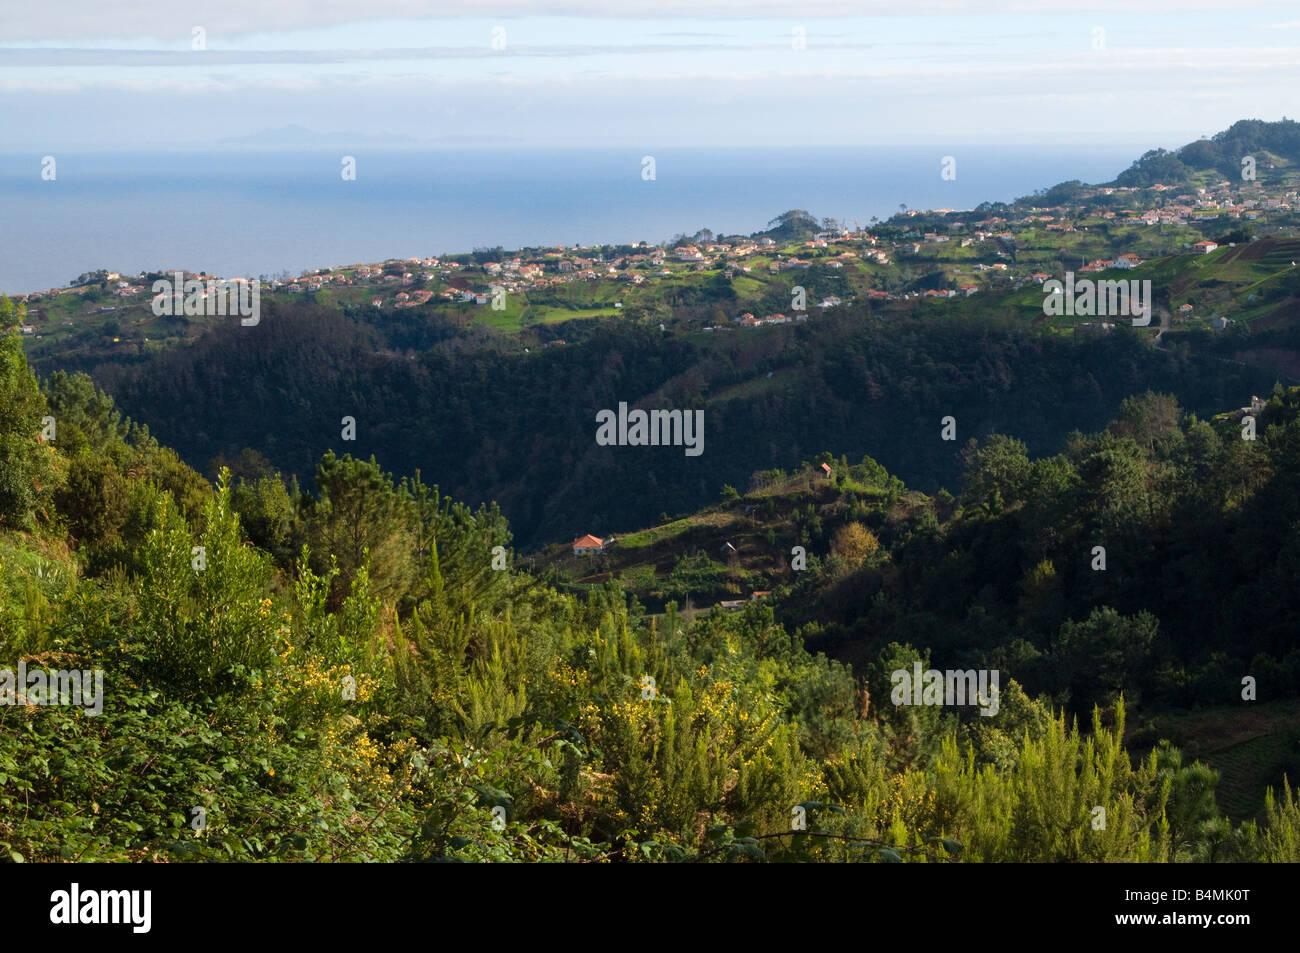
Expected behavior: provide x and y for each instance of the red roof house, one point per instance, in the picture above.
(585, 545)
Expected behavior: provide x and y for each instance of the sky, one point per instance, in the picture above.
(158, 74)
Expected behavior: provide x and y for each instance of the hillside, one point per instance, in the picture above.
(1275, 146)
(804, 336)
(1191, 591)
(367, 672)
(862, 384)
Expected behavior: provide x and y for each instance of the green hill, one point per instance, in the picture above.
(1274, 144)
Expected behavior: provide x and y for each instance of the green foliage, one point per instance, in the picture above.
(359, 520)
(268, 515)
(28, 474)
(840, 381)
(204, 611)
(364, 674)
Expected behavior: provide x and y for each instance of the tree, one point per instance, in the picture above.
(854, 543)
(78, 405)
(360, 519)
(1114, 492)
(268, 516)
(1191, 806)
(204, 614)
(27, 463)
(1064, 777)
(795, 223)
(910, 731)
(1148, 419)
(1104, 656)
(1000, 466)
(94, 500)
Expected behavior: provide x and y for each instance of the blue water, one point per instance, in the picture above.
(241, 213)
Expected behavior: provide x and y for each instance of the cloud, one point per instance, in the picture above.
(22, 20)
(42, 57)
(657, 78)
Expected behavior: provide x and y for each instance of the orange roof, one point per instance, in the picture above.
(588, 542)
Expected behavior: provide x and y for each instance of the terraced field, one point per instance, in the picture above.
(1251, 749)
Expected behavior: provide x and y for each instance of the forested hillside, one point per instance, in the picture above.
(363, 673)
(489, 422)
(1221, 153)
(1164, 538)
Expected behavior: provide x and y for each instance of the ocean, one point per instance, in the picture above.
(242, 213)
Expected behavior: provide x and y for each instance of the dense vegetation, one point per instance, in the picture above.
(349, 675)
(1222, 153)
(306, 658)
(1195, 590)
(491, 423)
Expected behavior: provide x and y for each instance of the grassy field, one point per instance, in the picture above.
(758, 385)
(550, 314)
(660, 534)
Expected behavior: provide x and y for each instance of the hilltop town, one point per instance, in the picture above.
(796, 269)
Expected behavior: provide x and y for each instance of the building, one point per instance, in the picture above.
(586, 545)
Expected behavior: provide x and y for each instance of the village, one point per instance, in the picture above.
(916, 255)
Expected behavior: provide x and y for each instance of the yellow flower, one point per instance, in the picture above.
(271, 771)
